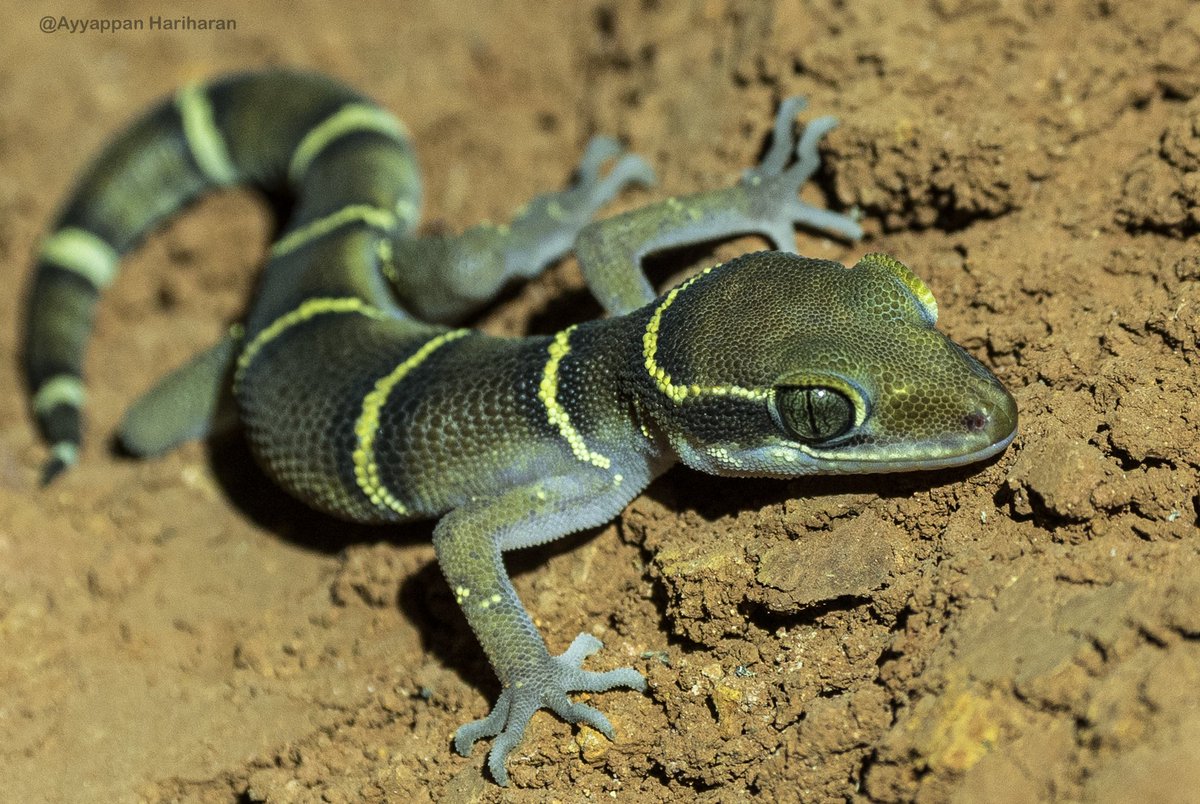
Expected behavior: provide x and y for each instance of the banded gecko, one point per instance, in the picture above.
(361, 397)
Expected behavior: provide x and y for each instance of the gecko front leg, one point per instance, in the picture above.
(469, 543)
(764, 202)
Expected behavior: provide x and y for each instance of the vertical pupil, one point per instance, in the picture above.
(817, 413)
(813, 398)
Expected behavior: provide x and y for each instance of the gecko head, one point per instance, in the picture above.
(779, 365)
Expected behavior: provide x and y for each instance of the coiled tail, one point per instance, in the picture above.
(288, 134)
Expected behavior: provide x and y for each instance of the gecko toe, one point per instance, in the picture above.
(599, 149)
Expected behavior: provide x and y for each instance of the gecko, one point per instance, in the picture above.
(362, 394)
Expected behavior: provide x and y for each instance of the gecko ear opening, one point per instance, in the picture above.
(920, 292)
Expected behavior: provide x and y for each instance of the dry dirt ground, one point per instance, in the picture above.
(1025, 630)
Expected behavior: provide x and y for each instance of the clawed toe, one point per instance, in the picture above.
(592, 190)
(782, 137)
(630, 169)
(599, 149)
(580, 648)
(581, 713)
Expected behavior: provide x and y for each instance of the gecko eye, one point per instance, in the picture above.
(814, 413)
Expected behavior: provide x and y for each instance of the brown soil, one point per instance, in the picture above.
(1019, 631)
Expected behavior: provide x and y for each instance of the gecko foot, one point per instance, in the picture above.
(591, 190)
(774, 184)
(548, 225)
(546, 689)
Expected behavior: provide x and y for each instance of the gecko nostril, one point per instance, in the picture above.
(976, 421)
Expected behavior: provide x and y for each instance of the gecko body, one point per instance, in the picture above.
(361, 397)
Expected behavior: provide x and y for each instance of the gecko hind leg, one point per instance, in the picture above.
(444, 278)
(191, 402)
(550, 223)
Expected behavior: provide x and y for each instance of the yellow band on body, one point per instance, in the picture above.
(366, 469)
(555, 413)
(350, 118)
